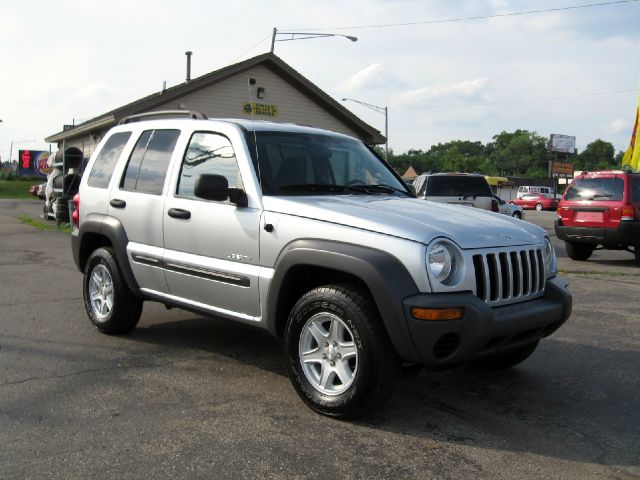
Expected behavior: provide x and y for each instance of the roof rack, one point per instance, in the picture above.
(163, 114)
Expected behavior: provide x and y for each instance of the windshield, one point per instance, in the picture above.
(311, 164)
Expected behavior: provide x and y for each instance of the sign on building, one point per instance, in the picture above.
(563, 143)
(33, 163)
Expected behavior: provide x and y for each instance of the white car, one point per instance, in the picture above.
(509, 208)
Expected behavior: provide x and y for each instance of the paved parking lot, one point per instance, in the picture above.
(183, 396)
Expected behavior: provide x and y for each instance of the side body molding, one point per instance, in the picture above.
(387, 279)
(96, 226)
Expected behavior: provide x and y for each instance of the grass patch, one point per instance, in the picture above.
(41, 225)
(18, 189)
(587, 272)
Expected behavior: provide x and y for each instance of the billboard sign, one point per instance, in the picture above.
(33, 163)
(561, 170)
(563, 143)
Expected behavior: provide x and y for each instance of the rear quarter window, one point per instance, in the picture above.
(600, 189)
(105, 162)
(635, 188)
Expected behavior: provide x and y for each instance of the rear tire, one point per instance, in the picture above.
(508, 359)
(578, 251)
(539, 207)
(636, 252)
(340, 359)
(111, 306)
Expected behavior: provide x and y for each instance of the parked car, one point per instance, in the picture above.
(540, 201)
(526, 190)
(309, 235)
(509, 208)
(466, 189)
(600, 210)
(40, 193)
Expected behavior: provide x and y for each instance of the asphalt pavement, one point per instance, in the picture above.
(185, 396)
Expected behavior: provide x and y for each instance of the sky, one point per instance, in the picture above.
(573, 72)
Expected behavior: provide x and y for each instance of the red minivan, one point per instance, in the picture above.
(600, 210)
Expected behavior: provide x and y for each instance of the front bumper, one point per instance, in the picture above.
(627, 234)
(484, 330)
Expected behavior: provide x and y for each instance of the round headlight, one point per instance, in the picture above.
(441, 262)
(550, 261)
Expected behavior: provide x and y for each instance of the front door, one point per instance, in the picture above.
(211, 257)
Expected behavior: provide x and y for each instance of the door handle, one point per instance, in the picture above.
(179, 213)
(117, 203)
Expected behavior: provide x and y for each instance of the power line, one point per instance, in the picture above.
(480, 17)
(531, 100)
(247, 51)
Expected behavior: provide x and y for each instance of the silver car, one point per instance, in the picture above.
(310, 235)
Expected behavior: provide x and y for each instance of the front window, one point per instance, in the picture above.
(302, 164)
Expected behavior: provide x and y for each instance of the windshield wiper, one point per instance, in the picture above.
(313, 187)
(376, 188)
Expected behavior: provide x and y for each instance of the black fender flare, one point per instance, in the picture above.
(384, 275)
(114, 231)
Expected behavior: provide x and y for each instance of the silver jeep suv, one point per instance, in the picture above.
(310, 235)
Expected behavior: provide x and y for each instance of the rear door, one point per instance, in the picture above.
(137, 201)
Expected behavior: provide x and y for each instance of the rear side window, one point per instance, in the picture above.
(149, 161)
(102, 170)
(458, 186)
(604, 188)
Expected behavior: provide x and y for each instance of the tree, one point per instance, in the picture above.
(521, 153)
(599, 155)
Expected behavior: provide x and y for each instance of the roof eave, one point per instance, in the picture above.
(81, 129)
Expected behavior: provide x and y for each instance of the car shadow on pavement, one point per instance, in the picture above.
(568, 401)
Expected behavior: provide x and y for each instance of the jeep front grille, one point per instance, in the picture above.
(509, 275)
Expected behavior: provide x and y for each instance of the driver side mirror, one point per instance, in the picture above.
(216, 188)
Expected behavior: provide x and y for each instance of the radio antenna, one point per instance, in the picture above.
(255, 137)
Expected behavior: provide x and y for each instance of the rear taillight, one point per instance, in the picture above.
(75, 216)
(627, 212)
(494, 206)
(559, 211)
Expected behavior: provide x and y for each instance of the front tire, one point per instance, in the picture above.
(111, 306)
(517, 215)
(539, 207)
(578, 251)
(340, 359)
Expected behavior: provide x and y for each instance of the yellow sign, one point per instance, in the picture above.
(260, 109)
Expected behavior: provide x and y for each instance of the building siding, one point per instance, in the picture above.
(226, 99)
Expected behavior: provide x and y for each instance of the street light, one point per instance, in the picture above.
(385, 112)
(307, 35)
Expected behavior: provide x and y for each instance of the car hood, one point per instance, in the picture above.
(411, 218)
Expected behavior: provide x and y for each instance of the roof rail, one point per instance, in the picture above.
(163, 114)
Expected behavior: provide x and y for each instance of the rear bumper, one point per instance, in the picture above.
(484, 330)
(626, 234)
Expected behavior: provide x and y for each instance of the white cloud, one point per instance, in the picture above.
(465, 89)
(617, 126)
(373, 76)
(94, 90)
